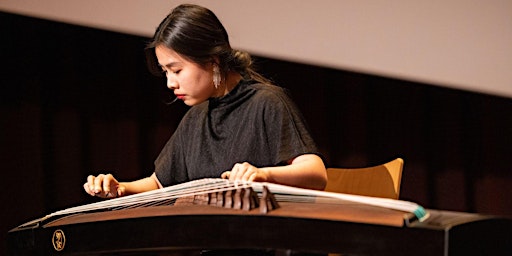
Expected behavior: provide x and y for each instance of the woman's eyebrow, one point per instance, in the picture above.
(170, 64)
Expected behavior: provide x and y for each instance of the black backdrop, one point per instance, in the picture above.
(77, 101)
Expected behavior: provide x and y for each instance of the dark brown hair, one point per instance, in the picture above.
(197, 34)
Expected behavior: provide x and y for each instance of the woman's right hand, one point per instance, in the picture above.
(104, 186)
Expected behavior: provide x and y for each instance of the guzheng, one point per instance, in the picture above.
(215, 214)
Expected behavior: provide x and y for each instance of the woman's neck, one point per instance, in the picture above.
(231, 81)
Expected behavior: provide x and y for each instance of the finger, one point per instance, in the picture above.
(236, 172)
(90, 183)
(252, 177)
(106, 183)
(97, 183)
(247, 174)
(232, 173)
(225, 175)
(120, 191)
(87, 189)
(248, 170)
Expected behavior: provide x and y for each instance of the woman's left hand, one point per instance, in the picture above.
(245, 172)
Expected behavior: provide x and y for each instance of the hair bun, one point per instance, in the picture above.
(242, 60)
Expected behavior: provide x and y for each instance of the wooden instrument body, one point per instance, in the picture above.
(350, 228)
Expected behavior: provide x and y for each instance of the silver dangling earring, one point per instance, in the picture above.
(216, 76)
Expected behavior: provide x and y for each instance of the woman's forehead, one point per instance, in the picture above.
(168, 57)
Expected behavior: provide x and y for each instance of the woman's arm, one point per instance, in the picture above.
(306, 171)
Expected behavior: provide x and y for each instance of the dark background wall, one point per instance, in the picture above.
(78, 101)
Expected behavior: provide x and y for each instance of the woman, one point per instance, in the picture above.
(240, 127)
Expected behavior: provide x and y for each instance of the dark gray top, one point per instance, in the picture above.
(254, 123)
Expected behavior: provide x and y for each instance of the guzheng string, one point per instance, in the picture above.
(158, 197)
(280, 192)
(168, 195)
(151, 198)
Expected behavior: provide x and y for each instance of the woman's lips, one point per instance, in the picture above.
(180, 96)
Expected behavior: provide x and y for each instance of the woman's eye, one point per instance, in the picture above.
(176, 71)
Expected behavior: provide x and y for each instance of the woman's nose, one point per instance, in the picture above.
(171, 84)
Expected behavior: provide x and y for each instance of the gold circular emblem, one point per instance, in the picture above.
(58, 240)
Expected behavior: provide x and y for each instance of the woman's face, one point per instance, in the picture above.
(190, 81)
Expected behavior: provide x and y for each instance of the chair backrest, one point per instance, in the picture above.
(378, 181)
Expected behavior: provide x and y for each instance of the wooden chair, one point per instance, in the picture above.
(378, 181)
